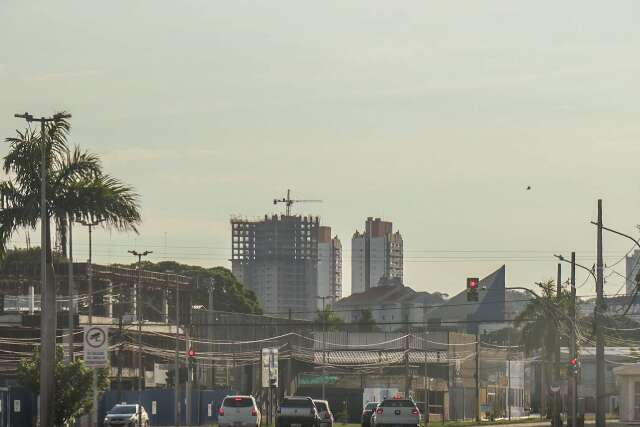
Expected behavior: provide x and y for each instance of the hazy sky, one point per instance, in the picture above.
(434, 115)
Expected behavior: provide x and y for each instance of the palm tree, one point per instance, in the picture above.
(75, 188)
(544, 324)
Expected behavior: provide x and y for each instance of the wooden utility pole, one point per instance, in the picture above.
(573, 351)
(600, 385)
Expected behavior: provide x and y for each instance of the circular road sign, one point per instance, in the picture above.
(95, 337)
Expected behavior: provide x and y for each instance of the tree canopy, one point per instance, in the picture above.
(329, 318)
(73, 385)
(229, 294)
(366, 322)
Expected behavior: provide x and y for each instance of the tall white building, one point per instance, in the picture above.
(376, 256)
(329, 266)
(633, 268)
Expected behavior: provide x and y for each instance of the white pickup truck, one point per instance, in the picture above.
(396, 413)
(297, 412)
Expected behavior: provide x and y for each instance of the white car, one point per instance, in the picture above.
(126, 415)
(324, 412)
(396, 412)
(239, 411)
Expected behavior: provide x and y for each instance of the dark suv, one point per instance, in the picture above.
(297, 412)
(367, 412)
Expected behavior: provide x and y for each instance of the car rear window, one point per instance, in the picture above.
(296, 403)
(237, 402)
(371, 405)
(399, 403)
(321, 406)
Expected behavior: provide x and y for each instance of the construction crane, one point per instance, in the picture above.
(289, 202)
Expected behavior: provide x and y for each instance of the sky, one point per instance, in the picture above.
(435, 115)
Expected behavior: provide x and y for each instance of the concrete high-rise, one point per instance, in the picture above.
(633, 268)
(329, 266)
(376, 256)
(278, 259)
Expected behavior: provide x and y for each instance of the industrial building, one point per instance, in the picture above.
(376, 256)
(277, 257)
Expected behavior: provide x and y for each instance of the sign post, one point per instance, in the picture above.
(96, 346)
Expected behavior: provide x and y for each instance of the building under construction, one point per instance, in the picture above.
(277, 258)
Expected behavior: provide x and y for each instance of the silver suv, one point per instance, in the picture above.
(396, 412)
(124, 415)
(239, 411)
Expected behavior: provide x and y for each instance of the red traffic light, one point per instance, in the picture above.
(472, 282)
(191, 353)
(573, 362)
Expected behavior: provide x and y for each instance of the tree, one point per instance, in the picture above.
(229, 294)
(366, 322)
(75, 188)
(73, 385)
(329, 319)
(543, 317)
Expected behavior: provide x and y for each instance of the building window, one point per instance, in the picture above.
(637, 401)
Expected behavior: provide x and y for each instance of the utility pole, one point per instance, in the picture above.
(407, 379)
(94, 377)
(600, 386)
(477, 407)
(176, 375)
(324, 341)
(71, 292)
(189, 373)
(139, 318)
(48, 290)
(556, 364)
(573, 351)
(426, 375)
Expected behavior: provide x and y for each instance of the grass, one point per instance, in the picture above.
(465, 423)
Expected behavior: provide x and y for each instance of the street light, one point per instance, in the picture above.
(90, 225)
(324, 342)
(139, 317)
(48, 293)
(600, 361)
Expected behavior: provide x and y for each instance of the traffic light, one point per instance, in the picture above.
(573, 367)
(472, 289)
(191, 353)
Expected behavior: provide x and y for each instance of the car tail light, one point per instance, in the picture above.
(415, 411)
(254, 412)
(379, 411)
(221, 411)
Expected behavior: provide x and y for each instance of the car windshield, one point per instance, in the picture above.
(371, 405)
(400, 403)
(321, 406)
(237, 402)
(124, 409)
(296, 403)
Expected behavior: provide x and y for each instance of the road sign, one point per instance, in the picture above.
(96, 346)
(269, 367)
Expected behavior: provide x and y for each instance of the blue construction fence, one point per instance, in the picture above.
(160, 405)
